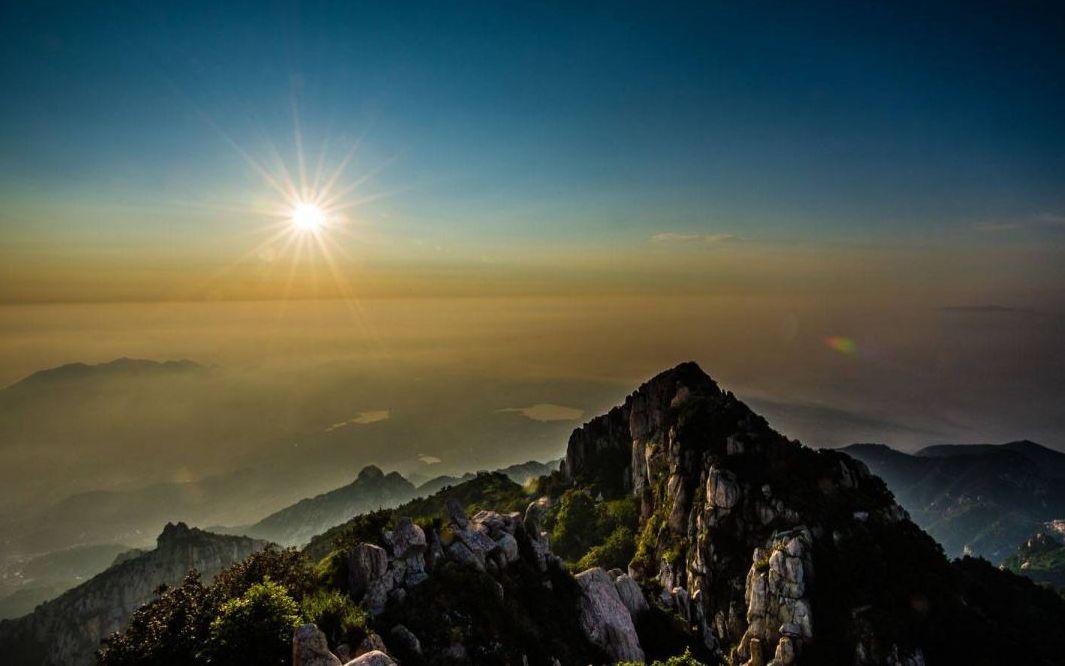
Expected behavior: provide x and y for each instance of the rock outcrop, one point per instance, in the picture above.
(486, 542)
(631, 595)
(604, 617)
(310, 648)
(736, 520)
(380, 577)
(372, 658)
(67, 630)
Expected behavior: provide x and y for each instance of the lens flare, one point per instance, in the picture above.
(842, 344)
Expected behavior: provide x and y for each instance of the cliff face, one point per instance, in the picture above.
(768, 549)
(68, 629)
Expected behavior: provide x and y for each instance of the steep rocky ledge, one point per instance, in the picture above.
(68, 629)
(773, 553)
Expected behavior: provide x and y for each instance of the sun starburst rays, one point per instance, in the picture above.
(310, 223)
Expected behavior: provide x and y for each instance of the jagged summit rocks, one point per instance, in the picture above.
(751, 548)
(487, 551)
(487, 542)
(736, 519)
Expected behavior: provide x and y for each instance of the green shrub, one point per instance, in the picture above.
(575, 525)
(336, 615)
(615, 552)
(168, 631)
(254, 628)
(685, 659)
(332, 571)
(286, 567)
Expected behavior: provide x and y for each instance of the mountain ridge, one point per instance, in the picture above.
(122, 365)
(371, 490)
(749, 549)
(68, 629)
(980, 499)
(737, 521)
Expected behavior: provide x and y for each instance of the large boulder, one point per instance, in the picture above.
(631, 595)
(535, 514)
(459, 552)
(509, 545)
(407, 539)
(369, 577)
(404, 640)
(605, 619)
(366, 564)
(722, 489)
(310, 648)
(457, 513)
(491, 520)
(375, 658)
(476, 538)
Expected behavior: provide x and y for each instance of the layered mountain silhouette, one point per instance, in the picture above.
(980, 499)
(739, 545)
(371, 490)
(216, 446)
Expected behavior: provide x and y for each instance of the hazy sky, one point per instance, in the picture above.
(521, 147)
(854, 214)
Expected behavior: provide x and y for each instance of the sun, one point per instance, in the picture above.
(307, 217)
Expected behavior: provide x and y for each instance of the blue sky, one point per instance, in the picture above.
(547, 125)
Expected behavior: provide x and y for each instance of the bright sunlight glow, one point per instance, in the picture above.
(308, 217)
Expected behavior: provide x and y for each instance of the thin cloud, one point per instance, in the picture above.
(985, 309)
(363, 418)
(546, 412)
(1040, 221)
(1050, 219)
(705, 239)
(997, 226)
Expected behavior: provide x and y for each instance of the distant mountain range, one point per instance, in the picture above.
(72, 374)
(371, 490)
(979, 499)
(127, 445)
(703, 528)
(120, 515)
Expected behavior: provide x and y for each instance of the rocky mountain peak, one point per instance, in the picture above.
(736, 519)
(370, 473)
(172, 533)
(1039, 543)
(600, 453)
